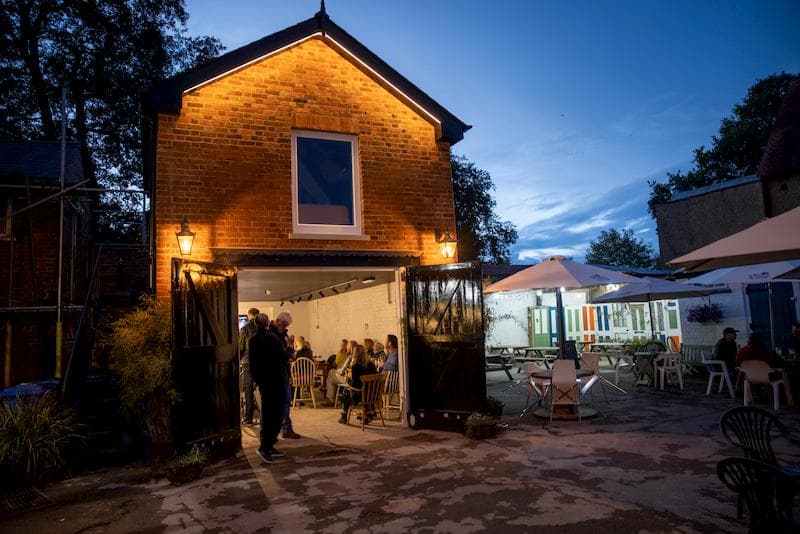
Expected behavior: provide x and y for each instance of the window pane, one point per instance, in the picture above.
(325, 181)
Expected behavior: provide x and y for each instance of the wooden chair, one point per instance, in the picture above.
(372, 387)
(564, 387)
(303, 372)
(390, 391)
(669, 363)
(759, 372)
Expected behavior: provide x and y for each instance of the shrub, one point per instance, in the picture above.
(187, 466)
(142, 354)
(493, 407)
(34, 432)
(481, 426)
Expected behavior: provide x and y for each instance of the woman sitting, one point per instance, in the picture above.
(380, 355)
(361, 366)
(303, 348)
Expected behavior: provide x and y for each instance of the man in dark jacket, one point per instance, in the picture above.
(245, 334)
(268, 359)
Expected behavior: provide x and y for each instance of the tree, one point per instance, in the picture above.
(737, 148)
(613, 247)
(104, 53)
(481, 233)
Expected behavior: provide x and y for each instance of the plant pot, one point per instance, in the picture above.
(184, 473)
(481, 427)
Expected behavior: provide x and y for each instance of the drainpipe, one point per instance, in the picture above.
(59, 324)
(7, 365)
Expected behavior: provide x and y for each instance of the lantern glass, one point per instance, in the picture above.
(448, 247)
(185, 238)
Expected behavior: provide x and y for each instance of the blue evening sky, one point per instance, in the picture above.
(574, 105)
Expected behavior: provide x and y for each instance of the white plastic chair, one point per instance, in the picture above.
(717, 368)
(303, 372)
(757, 372)
(669, 363)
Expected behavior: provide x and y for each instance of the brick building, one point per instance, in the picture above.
(225, 140)
(692, 219)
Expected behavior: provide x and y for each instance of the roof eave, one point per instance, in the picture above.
(167, 96)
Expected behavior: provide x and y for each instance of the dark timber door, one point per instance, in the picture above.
(446, 367)
(206, 362)
(783, 312)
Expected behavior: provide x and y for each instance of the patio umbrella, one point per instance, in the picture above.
(752, 274)
(770, 240)
(558, 272)
(648, 289)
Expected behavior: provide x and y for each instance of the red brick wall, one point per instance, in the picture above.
(225, 162)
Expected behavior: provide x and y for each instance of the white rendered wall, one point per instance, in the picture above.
(509, 312)
(369, 312)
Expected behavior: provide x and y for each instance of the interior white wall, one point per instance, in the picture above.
(508, 323)
(367, 312)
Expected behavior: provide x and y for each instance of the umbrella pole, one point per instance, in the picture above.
(771, 318)
(561, 323)
(652, 325)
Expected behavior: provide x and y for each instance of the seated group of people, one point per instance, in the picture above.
(728, 351)
(353, 361)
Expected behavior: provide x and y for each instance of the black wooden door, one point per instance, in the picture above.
(446, 366)
(783, 310)
(206, 362)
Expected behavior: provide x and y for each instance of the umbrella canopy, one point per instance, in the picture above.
(557, 272)
(647, 289)
(770, 240)
(747, 274)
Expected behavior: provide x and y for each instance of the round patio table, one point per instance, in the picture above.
(544, 413)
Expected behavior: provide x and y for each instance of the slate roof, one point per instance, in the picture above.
(681, 195)
(40, 162)
(782, 155)
(167, 96)
(497, 271)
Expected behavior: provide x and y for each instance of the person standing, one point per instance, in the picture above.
(268, 359)
(246, 332)
(279, 328)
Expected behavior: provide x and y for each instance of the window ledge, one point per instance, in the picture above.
(331, 237)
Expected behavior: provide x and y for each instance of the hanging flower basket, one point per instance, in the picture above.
(706, 313)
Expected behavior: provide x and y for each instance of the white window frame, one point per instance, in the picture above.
(327, 230)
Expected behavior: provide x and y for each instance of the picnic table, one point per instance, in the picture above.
(505, 360)
(543, 354)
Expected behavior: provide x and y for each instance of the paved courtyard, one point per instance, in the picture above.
(645, 464)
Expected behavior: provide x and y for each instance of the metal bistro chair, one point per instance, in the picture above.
(765, 490)
(751, 429)
(564, 387)
(591, 361)
(538, 385)
(303, 372)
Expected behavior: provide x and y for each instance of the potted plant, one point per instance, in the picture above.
(141, 352)
(484, 424)
(187, 467)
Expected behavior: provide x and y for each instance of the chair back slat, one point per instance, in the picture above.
(751, 430)
(303, 371)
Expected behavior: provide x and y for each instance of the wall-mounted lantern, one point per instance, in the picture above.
(447, 246)
(185, 238)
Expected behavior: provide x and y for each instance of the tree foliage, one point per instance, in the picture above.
(104, 53)
(482, 235)
(613, 247)
(737, 148)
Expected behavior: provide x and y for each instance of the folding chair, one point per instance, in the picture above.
(564, 387)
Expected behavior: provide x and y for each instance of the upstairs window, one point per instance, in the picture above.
(325, 184)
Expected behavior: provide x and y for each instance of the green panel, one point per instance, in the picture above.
(672, 317)
(541, 326)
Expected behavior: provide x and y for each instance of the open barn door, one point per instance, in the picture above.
(446, 357)
(206, 360)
